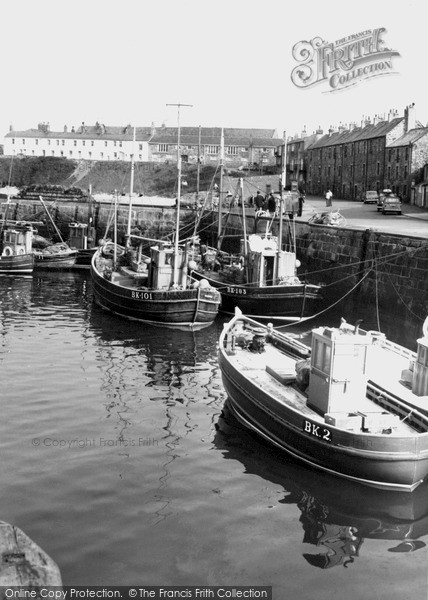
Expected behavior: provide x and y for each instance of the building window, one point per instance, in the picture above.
(75, 142)
(37, 142)
(102, 154)
(120, 144)
(161, 147)
(406, 171)
(233, 150)
(90, 154)
(92, 142)
(44, 152)
(62, 153)
(389, 155)
(105, 143)
(407, 154)
(211, 149)
(389, 173)
(63, 142)
(13, 141)
(71, 152)
(378, 168)
(397, 158)
(23, 142)
(115, 154)
(364, 169)
(49, 142)
(53, 152)
(140, 146)
(57, 142)
(83, 143)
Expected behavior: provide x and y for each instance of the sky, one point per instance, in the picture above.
(123, 62)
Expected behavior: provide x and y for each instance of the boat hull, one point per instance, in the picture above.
(16, 264)
(179, 309)
(394, 462)
(267, 302)
(84, 258)
(55, 261)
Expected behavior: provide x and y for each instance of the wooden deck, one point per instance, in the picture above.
(255, 366)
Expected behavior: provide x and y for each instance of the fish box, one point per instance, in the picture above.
(284, 375)
(378, 421)
(347, 421)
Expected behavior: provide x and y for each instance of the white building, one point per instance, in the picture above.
(242, 147)
(95, 142)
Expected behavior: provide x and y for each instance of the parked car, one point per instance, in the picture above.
(370, 197)
(391, 204)
(381, 198)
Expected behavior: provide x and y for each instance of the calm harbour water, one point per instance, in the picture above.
(118, 460)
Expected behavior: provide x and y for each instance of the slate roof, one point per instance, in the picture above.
(215, 132)
(409, 138)
(357, 134)
(88, 132)
(212, 136)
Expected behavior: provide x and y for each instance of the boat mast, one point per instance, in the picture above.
(131, 189)
(199, 167)
(115, 231)
(281, 201)
(177, 222)
(51, 220)
(221, 182)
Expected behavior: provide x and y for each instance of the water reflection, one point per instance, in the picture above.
(336, 515)
(152, 378)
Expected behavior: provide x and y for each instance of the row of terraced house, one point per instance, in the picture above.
(246, 148)
(381, 153)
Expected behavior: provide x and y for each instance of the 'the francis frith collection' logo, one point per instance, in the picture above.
(342, 63)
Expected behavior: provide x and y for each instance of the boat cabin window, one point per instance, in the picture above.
(11, 237)
(422, 355)
(322, 356)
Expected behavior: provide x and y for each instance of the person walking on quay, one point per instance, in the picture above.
(328, 198)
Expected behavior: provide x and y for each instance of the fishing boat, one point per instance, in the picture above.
(54, 256)
(319, 404)
(155, 289)
(81, 238)
(261, 279)
(16, 257)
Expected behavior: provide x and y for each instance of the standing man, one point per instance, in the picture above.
(259, 201)
(328, 198)
(272, 204)
(301, 202)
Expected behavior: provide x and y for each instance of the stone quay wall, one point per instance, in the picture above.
(387, 269)
(152, 222)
